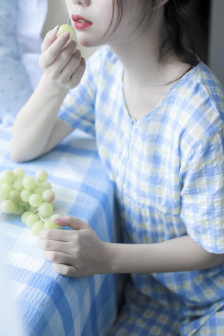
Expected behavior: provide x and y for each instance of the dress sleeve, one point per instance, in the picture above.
(78, 108)
(202, 194)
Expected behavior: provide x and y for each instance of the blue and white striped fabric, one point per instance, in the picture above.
(51, 304)
(168, 168)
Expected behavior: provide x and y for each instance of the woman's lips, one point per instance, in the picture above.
(80, 22)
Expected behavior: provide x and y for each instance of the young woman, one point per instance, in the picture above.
(156, 111)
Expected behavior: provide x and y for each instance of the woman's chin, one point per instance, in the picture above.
(87, 42)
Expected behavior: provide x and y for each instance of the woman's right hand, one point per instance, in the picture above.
(61, 61)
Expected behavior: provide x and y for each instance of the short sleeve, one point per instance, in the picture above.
(202, 194)
(78, 108)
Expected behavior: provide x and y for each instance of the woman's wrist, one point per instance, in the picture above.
(109, 264)
(52, 85)
(122, 258)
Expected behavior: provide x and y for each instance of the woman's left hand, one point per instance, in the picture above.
(74, 253)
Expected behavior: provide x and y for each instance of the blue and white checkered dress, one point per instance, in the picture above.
(168, 169)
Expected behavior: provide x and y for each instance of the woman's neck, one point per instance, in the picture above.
(140, 57)
(147, 80)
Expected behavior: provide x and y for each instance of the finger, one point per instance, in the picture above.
(78, 74)
(53, 245)
(66, 270)
(67, 54)
(50, 55)
(53, 234)
(74, 223)
(59, 257)
(49, 39)
(70, 67)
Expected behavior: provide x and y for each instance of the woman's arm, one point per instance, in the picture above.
(37, 128)
(175, 255)
(36, 124)
(79, 252)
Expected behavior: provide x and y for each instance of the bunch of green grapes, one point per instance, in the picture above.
(32, 198)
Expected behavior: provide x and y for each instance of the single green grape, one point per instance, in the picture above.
(14, 195)
(45, 209)
(7, 206)
(25, 215)
(35, 200)
(8, 176)
(29, 182)
(41, 176)
(48, 195)
(64, 29)
(18, 184)
(25, 195)
(50, 224)
(37, 227)
(19, 172)
(31, 219)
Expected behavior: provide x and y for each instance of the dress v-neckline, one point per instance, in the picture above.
(169, 93)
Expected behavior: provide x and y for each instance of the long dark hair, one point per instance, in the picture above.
(187, 30)
(187, 26)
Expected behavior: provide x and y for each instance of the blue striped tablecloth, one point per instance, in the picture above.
(51, 304)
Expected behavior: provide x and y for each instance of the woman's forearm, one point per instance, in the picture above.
(176, 255)
(35, 121)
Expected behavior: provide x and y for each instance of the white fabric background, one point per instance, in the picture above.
(31, 18)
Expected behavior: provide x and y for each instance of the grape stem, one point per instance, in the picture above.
(42, 218)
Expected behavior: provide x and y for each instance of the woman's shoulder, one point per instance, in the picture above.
(203, 95)
(198, 107)
(209, 83)
(204, 88)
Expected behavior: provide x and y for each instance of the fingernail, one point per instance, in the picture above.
(55, 28)
(66, 35)
(57, 219)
